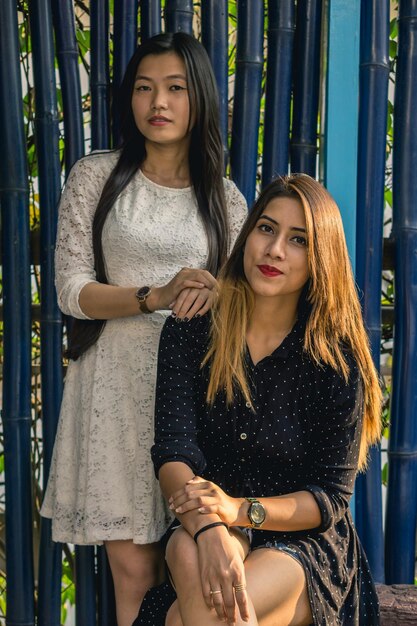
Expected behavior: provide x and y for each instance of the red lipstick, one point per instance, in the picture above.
(269, 270)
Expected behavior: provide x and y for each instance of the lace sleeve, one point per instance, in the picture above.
(237, 208)
(74, 259)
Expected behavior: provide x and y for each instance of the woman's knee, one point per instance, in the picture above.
(143, 565)
(181, 552)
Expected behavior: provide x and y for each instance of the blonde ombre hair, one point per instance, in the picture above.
(334, 320)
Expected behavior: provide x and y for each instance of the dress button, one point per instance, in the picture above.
(242, 460)
(243, 436)
(248, 405)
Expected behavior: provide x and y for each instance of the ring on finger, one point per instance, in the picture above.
(240, 587)
(217, 591)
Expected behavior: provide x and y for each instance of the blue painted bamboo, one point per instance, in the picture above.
(278, 89)
(125, 41)
(16, 405)
(150, 18)
(85, 589)
(67, 55)
(306, 78)
(47, 134)
(99, 75)
(214, 36)
(401, 517)
(179, 16)
(249, 62)
(374, 75)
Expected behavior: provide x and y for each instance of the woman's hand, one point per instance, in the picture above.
(207, 497)
(191, 302)
(221, 570)
(186, 278)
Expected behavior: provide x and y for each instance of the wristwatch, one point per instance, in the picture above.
(141, 295)
(256, 513)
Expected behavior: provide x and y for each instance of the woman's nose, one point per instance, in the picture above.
(159, 101)
(277, 248)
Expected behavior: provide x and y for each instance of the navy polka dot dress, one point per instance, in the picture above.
(303, 435)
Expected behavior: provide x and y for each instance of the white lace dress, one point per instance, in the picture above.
(102, 484)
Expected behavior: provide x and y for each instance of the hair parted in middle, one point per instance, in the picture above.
(329, 302)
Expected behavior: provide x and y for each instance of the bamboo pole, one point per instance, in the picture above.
(150, 18)
(16, 407)
(179, 16)
(401, 519)
(374, 75)
(47, 133)
(214, 30)
(245, 127)
(99, 75)
(278, 90)
(306, 79)
(125, 39)
(67, 55)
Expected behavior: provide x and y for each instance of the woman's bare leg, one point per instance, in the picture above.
(135, 569)
(278, 589)
(173, 616)
(275, 581)
(182, 559)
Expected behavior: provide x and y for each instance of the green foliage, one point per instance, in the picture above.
(68, 590)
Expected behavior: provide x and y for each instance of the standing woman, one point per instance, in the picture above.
(273, 398)
(131, 222)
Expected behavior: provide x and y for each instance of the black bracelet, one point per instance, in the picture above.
(213, 525)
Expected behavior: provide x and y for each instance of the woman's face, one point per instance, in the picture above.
(275, 255)
(160, 99)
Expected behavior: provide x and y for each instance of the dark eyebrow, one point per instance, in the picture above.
(266, 217)
(170, 77)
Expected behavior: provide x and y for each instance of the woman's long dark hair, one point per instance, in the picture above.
(205, 163)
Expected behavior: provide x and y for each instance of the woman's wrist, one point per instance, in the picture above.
(208, 527)
(241, 513)
(153, 301)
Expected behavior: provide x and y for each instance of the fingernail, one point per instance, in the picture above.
(201, 510)
(178, 320)
(186, 319)
(197, 315)
(173, 314)
(178, 510)
(171, 506)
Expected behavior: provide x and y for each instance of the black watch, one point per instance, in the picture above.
(141, 296)
(256, 513)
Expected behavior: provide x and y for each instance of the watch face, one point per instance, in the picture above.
(143, 292)
(257, 513)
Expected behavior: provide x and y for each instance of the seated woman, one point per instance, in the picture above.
(265, 410)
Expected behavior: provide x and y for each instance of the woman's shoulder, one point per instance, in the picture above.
(232, 190)
(236, 206)
(96, 165)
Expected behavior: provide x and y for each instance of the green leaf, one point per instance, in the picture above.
(393, 28)
(384, 474)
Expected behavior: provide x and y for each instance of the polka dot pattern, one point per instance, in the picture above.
(303, 434)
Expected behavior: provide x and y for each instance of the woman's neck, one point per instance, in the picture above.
(269, 324)
(167, 165)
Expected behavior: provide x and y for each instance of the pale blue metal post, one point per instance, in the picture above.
(342, 111)
(342, 115)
